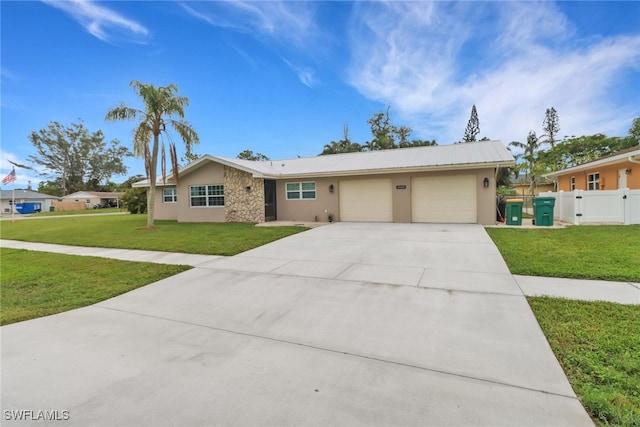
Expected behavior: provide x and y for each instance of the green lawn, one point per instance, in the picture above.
(128, 232)
(606, 252)
(597, 343)
(36, 284)
(81, 212)
(598, 346)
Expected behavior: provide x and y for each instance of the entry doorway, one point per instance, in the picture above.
(622, 178)
(270, 211)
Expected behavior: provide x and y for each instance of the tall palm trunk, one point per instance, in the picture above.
(151, 195)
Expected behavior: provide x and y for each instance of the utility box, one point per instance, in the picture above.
(514, 211)
(543, 211)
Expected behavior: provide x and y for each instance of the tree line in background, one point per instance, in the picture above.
(545, 153)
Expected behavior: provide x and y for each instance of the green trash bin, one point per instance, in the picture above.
(52, 208)
(543, 211)
(514, 211)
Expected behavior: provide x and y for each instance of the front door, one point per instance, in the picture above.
(622, 178)
(270, 200)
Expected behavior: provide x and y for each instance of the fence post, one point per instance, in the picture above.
(577, 207)
(626, 206)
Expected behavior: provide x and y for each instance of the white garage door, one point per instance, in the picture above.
(366, 200)
(444, 199)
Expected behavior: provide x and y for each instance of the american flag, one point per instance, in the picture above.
(10, 178)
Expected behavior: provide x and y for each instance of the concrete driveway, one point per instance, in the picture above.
(347, 324)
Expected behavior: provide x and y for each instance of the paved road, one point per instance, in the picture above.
(349, 324)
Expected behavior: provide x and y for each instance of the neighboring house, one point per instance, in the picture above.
(93, 198)
(447, 183)
(25, 196)
(522, 187)
(606, 190)
(618, 170)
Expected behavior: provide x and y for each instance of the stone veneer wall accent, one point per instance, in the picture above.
(242, 205)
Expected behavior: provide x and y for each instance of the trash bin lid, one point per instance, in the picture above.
(515, 201)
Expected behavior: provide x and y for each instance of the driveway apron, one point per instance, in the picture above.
(346, 324)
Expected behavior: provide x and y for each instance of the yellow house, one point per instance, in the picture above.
(616, 171)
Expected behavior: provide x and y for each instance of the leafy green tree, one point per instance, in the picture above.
(473, 126)
(345, 145)
(419, 143)
(135, 200)
(161, 107)
(248, 155)
(577, 150)
(52, 188)
(634, 132)
(75, 158)
(130, 181)
(550, 126)
(385, 135)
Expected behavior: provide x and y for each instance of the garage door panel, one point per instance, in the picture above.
(450, 199)
(367, 200)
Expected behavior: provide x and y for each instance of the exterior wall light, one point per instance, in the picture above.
(331, 188)
(485, 183)
(628, 171)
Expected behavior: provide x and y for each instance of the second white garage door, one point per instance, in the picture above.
(367, 200)
(444, 199)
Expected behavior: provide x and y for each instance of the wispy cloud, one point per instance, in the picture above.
(287, 25)
(306, 75)
(512, 60)
(101, 22)
(288, 22)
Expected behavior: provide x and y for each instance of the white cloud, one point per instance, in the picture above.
(100, 21)
(306, 75)
(287, 22)
(432, 61)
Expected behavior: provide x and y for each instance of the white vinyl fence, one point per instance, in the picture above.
(603, 206)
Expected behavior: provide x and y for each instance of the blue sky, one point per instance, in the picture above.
(282, 78)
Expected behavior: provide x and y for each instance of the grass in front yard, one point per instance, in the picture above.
(127, 232)
(605, 252)
(36, 284)
(598, 346)
(81, 212)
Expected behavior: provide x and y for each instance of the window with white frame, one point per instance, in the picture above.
(170, 195)
(301, 190)
(573, 183)
(593, 181)
(206, 195)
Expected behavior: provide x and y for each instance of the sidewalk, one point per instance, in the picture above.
(587, 290)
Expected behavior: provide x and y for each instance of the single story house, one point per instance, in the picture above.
(92, 198)
(446, 183)
(25, 196)
(521, 186)
(616, 171)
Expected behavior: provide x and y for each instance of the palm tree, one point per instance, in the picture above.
(530, 157)
(161, 105)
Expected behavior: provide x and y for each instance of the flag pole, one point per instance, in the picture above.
(13, 200)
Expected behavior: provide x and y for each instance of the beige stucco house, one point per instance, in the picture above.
(447, 183)
(92, 198)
